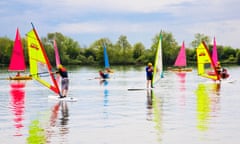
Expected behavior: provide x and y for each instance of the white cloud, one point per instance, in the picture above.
(183, 18)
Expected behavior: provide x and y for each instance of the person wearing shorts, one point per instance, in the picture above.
(149, 75)
(64, 80)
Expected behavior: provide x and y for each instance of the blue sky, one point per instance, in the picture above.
(140, 20)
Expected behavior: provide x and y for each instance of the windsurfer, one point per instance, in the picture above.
(218, 68)
(149, 74)
(65, 81)
(222, 71)
(103, 75)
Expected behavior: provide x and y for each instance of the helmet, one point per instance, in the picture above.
(149, 64)
(59, 66)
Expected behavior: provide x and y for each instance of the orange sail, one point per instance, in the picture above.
(40, 67)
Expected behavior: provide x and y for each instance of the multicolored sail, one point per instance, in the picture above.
(158, 65)
(40, 67)
(17, 62)
(106, 61)
(57, 57)
(214, 52)
(206, 67)
(181, 58)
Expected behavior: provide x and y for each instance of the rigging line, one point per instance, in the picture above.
(39, 73)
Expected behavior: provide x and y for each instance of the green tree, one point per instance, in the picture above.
(199, 38)
(138, 52)
(6, 46)
(124, 49)
(169, 48)
(238, 57)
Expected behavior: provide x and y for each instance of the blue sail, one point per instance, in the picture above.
(106, 62)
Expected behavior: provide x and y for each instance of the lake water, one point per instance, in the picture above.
(182, 109)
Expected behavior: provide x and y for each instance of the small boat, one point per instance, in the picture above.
(206, 66)
(181, 61)
(17, 62)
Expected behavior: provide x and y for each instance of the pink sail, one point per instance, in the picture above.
(56, 53)
(17, 62)
(181, 58)
(214, 52)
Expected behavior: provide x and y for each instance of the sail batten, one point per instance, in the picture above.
(39, 62)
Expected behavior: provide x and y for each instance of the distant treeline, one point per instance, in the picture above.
(119, 53)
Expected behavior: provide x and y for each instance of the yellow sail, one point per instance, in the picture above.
(40, 68)
(205, 65)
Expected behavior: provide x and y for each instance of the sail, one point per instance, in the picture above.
(158, 66)
(206, 67)
(57, 57)
(106, 61)
(181, 58)
(214, 52)
(40, 67)
(17, 62)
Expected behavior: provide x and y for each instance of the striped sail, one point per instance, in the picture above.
(158, 65)
(40, 67)
(205, 65)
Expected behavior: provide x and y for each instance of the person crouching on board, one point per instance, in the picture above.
(218, 68)
(103, 75)
(149, 75)
(64, 80)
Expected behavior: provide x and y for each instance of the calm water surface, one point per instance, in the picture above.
(183, 108)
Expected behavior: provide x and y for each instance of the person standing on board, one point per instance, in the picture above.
(149, 75)
(65, 81)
